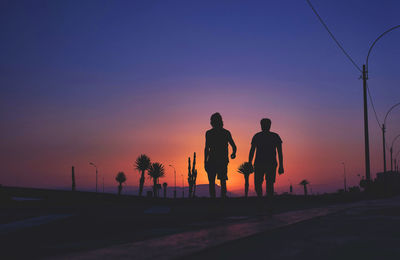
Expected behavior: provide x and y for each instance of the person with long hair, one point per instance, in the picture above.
(216, 154)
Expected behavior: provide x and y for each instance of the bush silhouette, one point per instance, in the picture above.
(246, 169)
(120, 178)
(165, 189)
(156, 171)
(304, 183)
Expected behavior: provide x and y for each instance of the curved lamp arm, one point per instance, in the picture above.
(394, 141)
(373, 44)
(384, 121)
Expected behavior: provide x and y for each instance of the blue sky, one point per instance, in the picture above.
(69, 69)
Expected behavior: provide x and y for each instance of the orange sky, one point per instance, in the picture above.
(314, 146)
(104, 82)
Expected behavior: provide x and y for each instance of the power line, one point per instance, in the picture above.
(373, 107)
(347, 55)
(332, 36)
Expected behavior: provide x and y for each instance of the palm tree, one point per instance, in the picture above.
(246, 169)
(120, 178)
(142, 164)
(156, 171)
(165, 189)
(304, 183)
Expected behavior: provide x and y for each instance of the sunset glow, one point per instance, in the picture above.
(97, 86)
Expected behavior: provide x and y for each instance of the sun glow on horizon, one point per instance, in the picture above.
(143, 77)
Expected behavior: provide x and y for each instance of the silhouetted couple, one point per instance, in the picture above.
(264, 143)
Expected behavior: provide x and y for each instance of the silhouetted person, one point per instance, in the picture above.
(266, 144)
(216, 154)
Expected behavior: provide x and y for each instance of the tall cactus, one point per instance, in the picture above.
(192, 176)
(189, 178)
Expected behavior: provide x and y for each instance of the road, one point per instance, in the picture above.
(79, 225)
(370, 231)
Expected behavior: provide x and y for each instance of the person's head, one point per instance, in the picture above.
(216, 120)
(265, 124)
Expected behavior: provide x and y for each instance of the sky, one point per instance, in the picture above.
(105, 81)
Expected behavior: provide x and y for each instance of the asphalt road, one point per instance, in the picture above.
(368, 232)
(63, 223)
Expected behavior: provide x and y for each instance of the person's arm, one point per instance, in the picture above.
(232, 143)
(251, 153)
(280, 158)
(206, 149)
(252, 149)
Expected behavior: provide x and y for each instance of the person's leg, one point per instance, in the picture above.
(223, 188)
(211, 180)
(223, 176)
(270, 180)
(270, 189)
(258, 180)
(212, 189)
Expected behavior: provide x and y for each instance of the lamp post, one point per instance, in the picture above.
(365, 78)
(383, 136)
(183, 187)
(344, 176)
(396, 162)
(96, 173)
(175, 180)
(391, 154)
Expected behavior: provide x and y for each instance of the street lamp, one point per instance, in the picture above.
(175, 180)
(96, 173)
(391, 153)
(383, 136)
(183, 187)
(344, 176)
(365, 78)
(396, 162)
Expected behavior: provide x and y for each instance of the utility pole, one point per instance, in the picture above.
(183, 187)
(365, 77)
(396, 162)
(175, 180)
(391, 159)
(391, 154)
(384, 140)
(73, 178)
(366, 134)
(96, 173)
(103, 184)
(344, 176)
(384, 148)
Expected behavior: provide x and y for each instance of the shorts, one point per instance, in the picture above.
(220, 170)
(269, 171)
